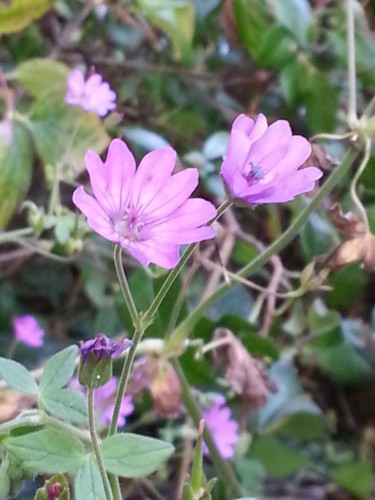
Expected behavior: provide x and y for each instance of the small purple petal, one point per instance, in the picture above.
(28, 331)
(103, 347)
(92, 95)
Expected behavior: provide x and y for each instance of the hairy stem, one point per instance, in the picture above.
(95, 443)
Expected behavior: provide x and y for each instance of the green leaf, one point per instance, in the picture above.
(49, 451)
(59, 369)
(176, 18)
(65, 404)
(62, 135)
(17, 376)
(130, 455)
(296, 16)
(88, 484)
(20, 13)
(307, 426)
(278, 460)
(356, 477)
(42, 77)
(15, 171)
(254, 22)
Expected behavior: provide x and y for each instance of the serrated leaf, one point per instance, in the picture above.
(42, 77)
(49, 451)
(131, 455)
(20, 13)
(17, 376)
(88, 484)
(15, 171)
(65, 404)
(59, 369)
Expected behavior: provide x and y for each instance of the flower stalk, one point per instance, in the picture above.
(95, 443)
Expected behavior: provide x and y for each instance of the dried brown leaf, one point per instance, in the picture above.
(348, 224)
(166, 392)
(246, 375)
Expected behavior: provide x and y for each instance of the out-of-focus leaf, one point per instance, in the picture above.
(42, 77)
(321, 102)
(15, 171)
(357, 478)
(296, 16)
(62, 135)
(317, 236)
(289, 399)
(176, 18)
(252, 475)
(277, 49)
(147, 139)
(20, 13)
(277, 459)
(306, 426)
(347, 286)
(215, 145)
(253, 23)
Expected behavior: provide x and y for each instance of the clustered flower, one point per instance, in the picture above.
(28, 331)
(93, 95)
(223, 428)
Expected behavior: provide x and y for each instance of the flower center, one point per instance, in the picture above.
(130, 227)
(255, 173)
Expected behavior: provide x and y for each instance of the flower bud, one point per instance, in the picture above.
(95, 368)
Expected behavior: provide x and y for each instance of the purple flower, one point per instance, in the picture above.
(103, 347)
(104, 403)
(146, 211)
(92, 95)
(27, 330)
(223, 428)
(261, 163)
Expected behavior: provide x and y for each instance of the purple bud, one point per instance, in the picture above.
(103, 347)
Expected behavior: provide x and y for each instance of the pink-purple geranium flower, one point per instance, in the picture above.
(92, 95)
(147, 211)
(261, 164)
(223, 428)
(28, 331)
(103, 347)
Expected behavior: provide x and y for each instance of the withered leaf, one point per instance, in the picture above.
(359, 244)
(166, 391)
(246, 375)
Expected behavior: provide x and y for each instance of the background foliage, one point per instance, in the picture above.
(182, 70)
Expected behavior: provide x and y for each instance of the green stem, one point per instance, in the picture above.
(223, 468)
(6, 237)
(168, 282)
(95, 443)
(353, 186)
(183, 330)
(352, 79)
(128, 298)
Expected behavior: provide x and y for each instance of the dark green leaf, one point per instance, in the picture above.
(278, 460)
(15, 171)
(356, 477)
